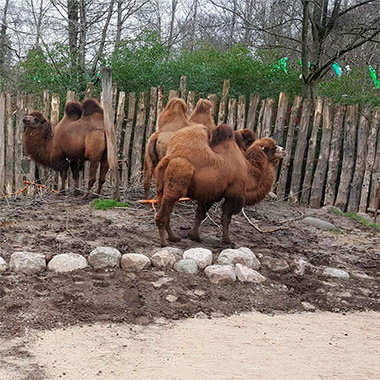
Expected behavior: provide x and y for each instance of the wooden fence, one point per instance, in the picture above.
(333, 150)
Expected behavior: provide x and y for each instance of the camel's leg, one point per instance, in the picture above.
(103, 172)
(60, 164)
(200, 214)
(148, 173)
(163, 221)
(231, 206)
(75, 167)
(94, 165)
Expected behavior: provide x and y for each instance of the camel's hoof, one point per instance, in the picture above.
(175, 239)
(194, 237)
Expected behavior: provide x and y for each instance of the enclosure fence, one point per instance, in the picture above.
(333, 150)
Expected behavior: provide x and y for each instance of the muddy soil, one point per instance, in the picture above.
(54, 224)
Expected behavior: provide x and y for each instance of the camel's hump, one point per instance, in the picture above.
(73, 109)
(91, 106)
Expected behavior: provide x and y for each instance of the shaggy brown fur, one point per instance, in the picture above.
(78, 137)
(172, 118)
(202, 114)
(245, 138)
(192, 168)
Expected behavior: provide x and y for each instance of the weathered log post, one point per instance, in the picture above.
(334, 156)
(2, 143)
(110, 130)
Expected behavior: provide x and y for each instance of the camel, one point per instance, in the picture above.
(211, 170)
(78, 137)
(171, 119)
(245, 138)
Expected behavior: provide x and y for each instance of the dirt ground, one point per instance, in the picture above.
(54, 224)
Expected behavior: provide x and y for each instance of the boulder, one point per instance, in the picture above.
(67, 262)
(202, 256)
(27, 262)
(104, 257)
(220, 274)
(135, 261)
(242, 255)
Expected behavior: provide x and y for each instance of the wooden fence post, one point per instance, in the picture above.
(47, 103)
(375, 183)
(252, 109)
(110, 130)
(128, 133)
(231, 117)
(268, 116)
(299, 153)
(279, 125)
(223, 102)
(2, 143)
(361, 153)
(55, 104)
(90, 88)
(241, 113)
(18, 142)
(334, 156)
(306, 187)
(281, 187)
(183, 87)
(348, 161)
(120, 116)
(152, 112)
(320, 171)
(173, 94)
(213, 98)
(190, 102)
(138, 139)
(10, 144)
(370, 160)
(160, 102)
(70, 96)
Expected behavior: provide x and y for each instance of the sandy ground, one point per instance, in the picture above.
(247, 346)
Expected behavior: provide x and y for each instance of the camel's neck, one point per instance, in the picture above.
(261, 176)
(38, 144)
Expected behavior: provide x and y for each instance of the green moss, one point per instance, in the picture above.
(358, 218)
(105, 204)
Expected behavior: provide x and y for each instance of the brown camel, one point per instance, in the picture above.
(172, 118)
(78, 137)
(211, 170)
(202, 114)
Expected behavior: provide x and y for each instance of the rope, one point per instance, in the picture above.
(28, 183)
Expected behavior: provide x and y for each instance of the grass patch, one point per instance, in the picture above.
(358, 218)
(105, 204)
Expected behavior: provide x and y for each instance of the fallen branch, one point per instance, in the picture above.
(258, 228)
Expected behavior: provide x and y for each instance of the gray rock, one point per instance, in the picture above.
(245, 274)
(161, 281)
(163, 259)
(67, 262)
(171, 298)
(27, 262)
(336, 273)
(220, 274)
(202, 256)
(300, 267)
(104, 257)
(318, 223)
(308, 306)
(275, 265)
(178, 253)
(135, 261)
(3, 265)
(186, 266)
(242, 255)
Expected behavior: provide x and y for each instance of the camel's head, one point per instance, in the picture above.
(269, 146)
(34, 120)
(245, 138)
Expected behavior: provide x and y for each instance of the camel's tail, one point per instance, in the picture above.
(73, 110)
